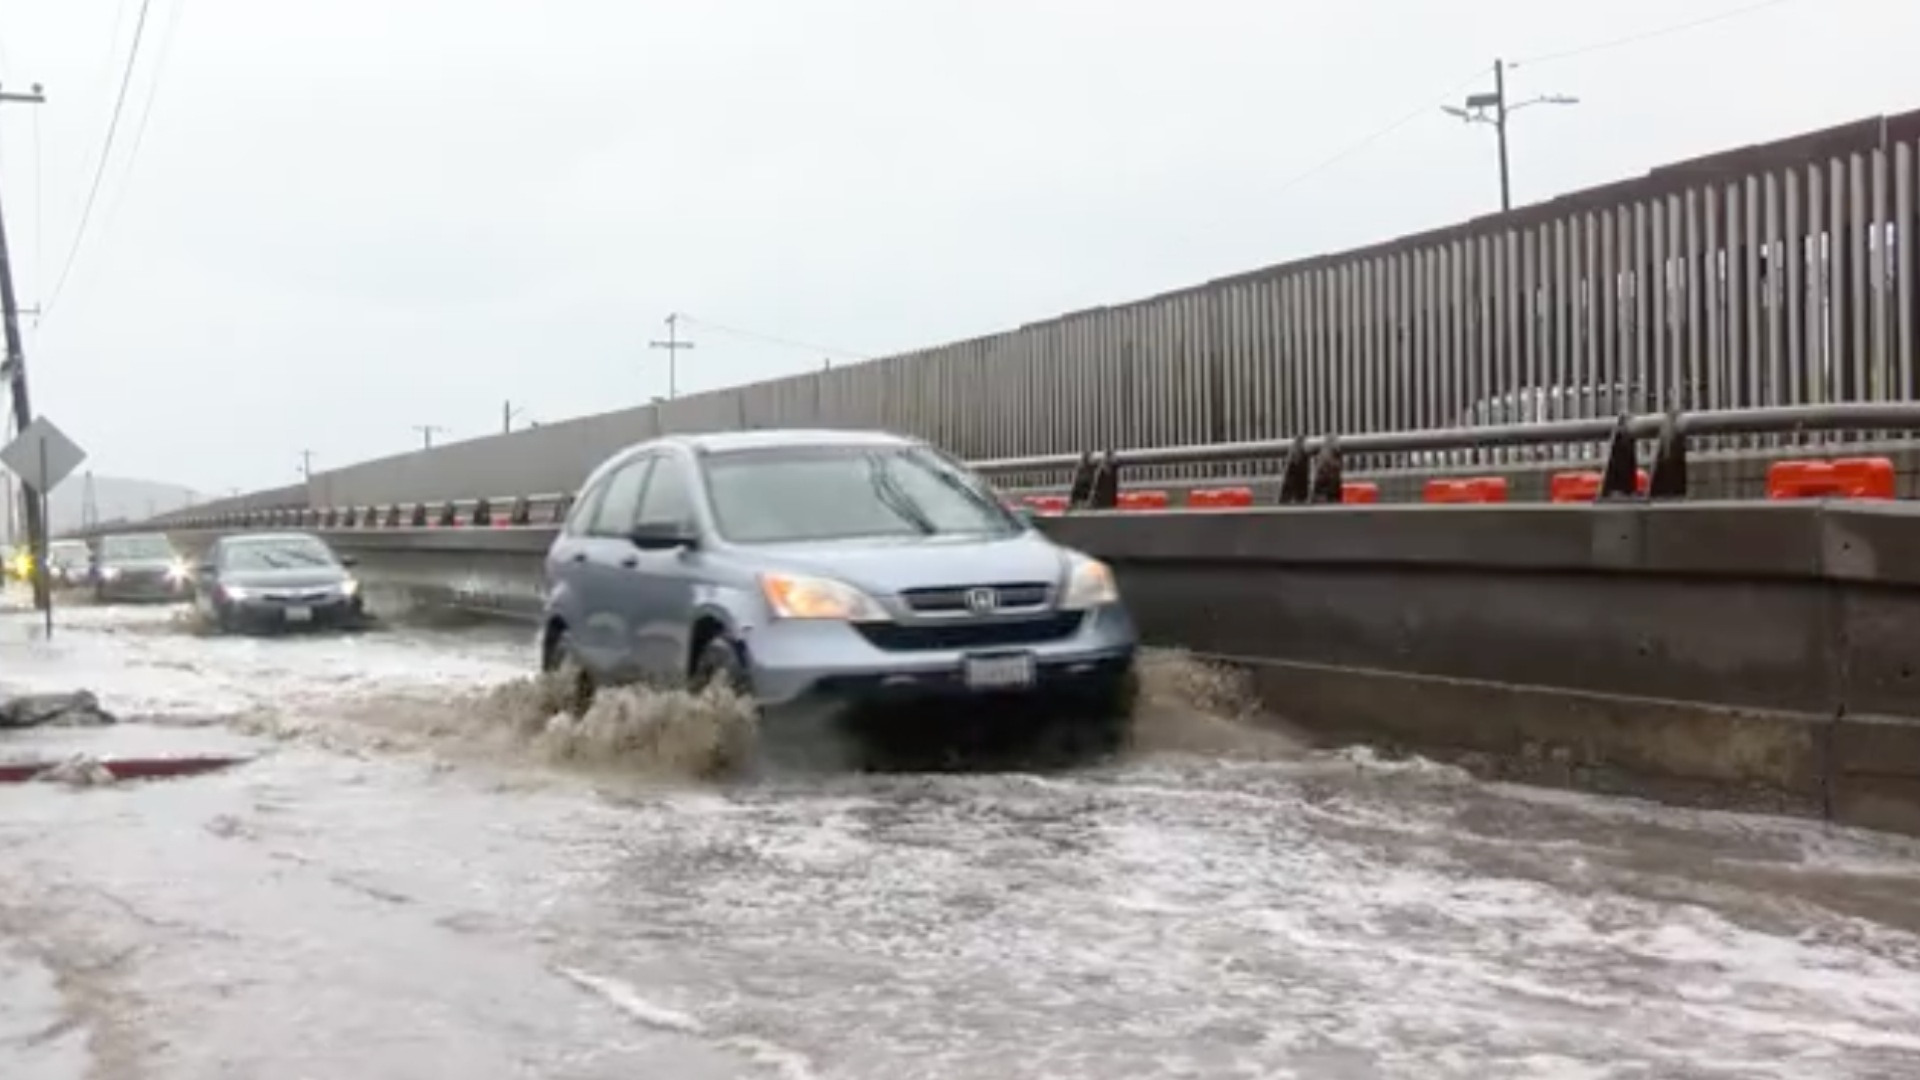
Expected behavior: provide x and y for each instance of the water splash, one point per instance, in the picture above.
(1190, 706)
(674, 733)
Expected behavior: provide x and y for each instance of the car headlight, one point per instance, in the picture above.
(178, 571)
(1089, 584)
(109, 573)
(350, 588)
(796, 596)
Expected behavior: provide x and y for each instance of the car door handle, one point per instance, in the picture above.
(630, 561)
(578, 556)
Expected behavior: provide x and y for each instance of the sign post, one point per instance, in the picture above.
(42, 456)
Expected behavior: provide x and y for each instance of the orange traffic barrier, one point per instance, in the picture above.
(1570, 487)
(1474, 489)
(1144, 500)
(1219, 498)
(1848, 478)
(1048, 504)
(1359, 491)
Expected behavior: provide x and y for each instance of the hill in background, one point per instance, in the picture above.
(113, 498)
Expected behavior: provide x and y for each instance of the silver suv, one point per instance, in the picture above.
(841, 568)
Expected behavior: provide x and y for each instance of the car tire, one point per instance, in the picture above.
(1102, 722)
(575, 682)
(720, 661)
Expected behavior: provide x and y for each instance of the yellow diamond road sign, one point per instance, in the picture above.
(42, 455)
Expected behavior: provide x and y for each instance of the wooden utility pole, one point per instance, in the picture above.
(426, 434)
(14, 372)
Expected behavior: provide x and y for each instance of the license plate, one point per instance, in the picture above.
(999, 672)
(299, 614)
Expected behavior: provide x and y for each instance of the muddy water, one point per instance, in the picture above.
(423, 874)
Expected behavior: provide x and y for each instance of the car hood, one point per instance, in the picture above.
(306, 577)
(895, 565)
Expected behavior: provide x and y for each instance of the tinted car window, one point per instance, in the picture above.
(620, 502)
(837, 493)
(668, 499)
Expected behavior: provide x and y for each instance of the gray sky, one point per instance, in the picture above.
(348, 217)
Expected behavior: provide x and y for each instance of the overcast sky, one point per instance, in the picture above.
(349, 217)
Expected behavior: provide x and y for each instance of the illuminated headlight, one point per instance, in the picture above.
(233, 592)
(178, 571)
(1089, 584)
(350, 588)
(795, 596)
(110, 573)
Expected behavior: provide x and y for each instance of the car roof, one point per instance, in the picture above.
(720, 442)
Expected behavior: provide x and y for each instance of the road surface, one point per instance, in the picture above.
(410, 878)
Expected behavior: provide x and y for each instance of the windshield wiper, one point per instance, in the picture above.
(896, 500)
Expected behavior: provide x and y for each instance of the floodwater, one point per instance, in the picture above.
(416, 876)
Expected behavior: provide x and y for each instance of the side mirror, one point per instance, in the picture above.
(349, 561)
(663, 537)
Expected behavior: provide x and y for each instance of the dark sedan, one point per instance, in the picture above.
(276, 581)
(139, 566)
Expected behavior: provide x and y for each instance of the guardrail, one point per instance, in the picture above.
(1310, 471)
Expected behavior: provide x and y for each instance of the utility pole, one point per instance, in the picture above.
(1493, 109)
(426, 433)
(14, 370)
(507, 413)
(306, 465)
(673, 345)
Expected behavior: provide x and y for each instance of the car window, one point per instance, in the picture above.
(835, 493)
(668, 499)
(143, 546)
(620, 502)
(279, 553)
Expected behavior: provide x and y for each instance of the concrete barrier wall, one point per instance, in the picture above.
(1751, 654)
(1758, 654)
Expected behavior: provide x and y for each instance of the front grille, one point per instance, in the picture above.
(300, 597)
(903, 637)
(953, 598)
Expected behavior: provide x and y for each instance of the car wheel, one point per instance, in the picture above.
(721, 662)
(571, 678)
(1101, 723)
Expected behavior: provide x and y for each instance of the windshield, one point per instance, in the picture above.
(838, 493)
(149, 546)
(289, 553)
(66, 554)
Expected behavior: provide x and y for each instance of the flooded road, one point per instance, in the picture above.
(395, 887)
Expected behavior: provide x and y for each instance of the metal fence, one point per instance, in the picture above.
(1780, 274)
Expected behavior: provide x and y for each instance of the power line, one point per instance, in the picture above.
(1649, 35)
(1425, 109)
(140, 126)
(772, 339)
(106, 154)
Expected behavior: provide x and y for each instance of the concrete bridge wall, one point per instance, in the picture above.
(1758, 655)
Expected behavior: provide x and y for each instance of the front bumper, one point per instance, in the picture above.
(142, 587)
(838, 663)
(265, 611)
